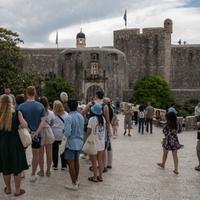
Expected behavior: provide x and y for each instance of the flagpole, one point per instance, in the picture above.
(57, 39)
(125, 18)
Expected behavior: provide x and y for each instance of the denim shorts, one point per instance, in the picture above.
(71, 154)
(36, 143)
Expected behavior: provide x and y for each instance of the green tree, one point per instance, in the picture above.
(11, 64)
(153, 89)
(53, 88)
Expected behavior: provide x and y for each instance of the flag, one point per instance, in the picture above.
(125, 17)
(57, 38)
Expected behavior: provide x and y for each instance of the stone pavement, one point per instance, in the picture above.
(134, 174)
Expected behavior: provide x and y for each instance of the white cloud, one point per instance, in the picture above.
(100, 33)
(38, 20)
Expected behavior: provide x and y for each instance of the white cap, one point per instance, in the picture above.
(64, 97)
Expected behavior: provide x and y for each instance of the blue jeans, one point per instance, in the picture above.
(141, 125)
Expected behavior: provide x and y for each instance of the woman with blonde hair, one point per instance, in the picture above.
(12, 154)
(47, 139)
(58, 130)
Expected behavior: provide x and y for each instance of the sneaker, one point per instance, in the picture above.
(105, 169)
(71, 187)
(129, 134)
(83, 156)
(125, 133)
(55, 168)
(33, 178)
(197, 168)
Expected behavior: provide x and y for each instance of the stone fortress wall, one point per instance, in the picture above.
(76, 66)
(150, 52)
(134, 55)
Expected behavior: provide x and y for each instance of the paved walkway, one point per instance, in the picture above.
(134, 174)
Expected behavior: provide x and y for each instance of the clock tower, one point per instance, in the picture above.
(80, 40)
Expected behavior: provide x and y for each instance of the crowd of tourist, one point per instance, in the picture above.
(67, 129)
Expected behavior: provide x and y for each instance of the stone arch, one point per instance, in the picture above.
(91, 91)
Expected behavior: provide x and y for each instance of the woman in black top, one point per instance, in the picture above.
(12, 154)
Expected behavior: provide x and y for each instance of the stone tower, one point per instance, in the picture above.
(168, 30)
(80, 40)
(148, 53)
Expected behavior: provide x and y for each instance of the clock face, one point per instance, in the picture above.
(81, 41)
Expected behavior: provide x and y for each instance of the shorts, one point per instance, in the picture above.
(198, 145)
(71, 154)
(36, 144)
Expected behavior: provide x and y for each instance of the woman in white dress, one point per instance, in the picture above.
(97, 126)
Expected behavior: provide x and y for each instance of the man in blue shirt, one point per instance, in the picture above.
(74, 131)
(34, 114)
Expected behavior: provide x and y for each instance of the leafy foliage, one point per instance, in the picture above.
(11, 65)
(187, 108)
(10, 55)
(53, 88)
(153, 89)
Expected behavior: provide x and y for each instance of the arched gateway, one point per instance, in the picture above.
(91, 91)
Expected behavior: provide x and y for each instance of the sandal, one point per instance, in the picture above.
(93, 179)
(20, 193)
(197, 168)
(99, 179)
(176, 172)
(6, 192)
(48, 173)
(161, 165)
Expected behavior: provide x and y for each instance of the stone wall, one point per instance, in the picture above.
(183, 95)
(147, 53)
(185, 67)
(75, 67)
(43, 60)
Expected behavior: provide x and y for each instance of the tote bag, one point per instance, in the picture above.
(62, 146)
(25, 137)
(90, 146)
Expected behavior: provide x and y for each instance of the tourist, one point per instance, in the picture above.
(106, 113)
(115, 125)
(141, 116)
(64, 100)
(108, 151)
(20, 98)
(170, 142)
(128, 113)
(34, 113)
(172, 109)
(97, 123)
(74, 131)
(117, 105)
(197, 112)
(47, 139)
(7, 91)
(198, 146)
(12, 154)
(149, 117)
(135, 114)
(58, 130)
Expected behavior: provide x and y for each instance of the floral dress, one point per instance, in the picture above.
(170, 142)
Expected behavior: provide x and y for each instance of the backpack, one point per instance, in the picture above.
(141, 114)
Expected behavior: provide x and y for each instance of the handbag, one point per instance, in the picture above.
(62, 146)
(50, 138)
(25, 137)
(90, 146)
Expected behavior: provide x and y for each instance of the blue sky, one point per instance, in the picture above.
(193, 3)
(37, 21)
